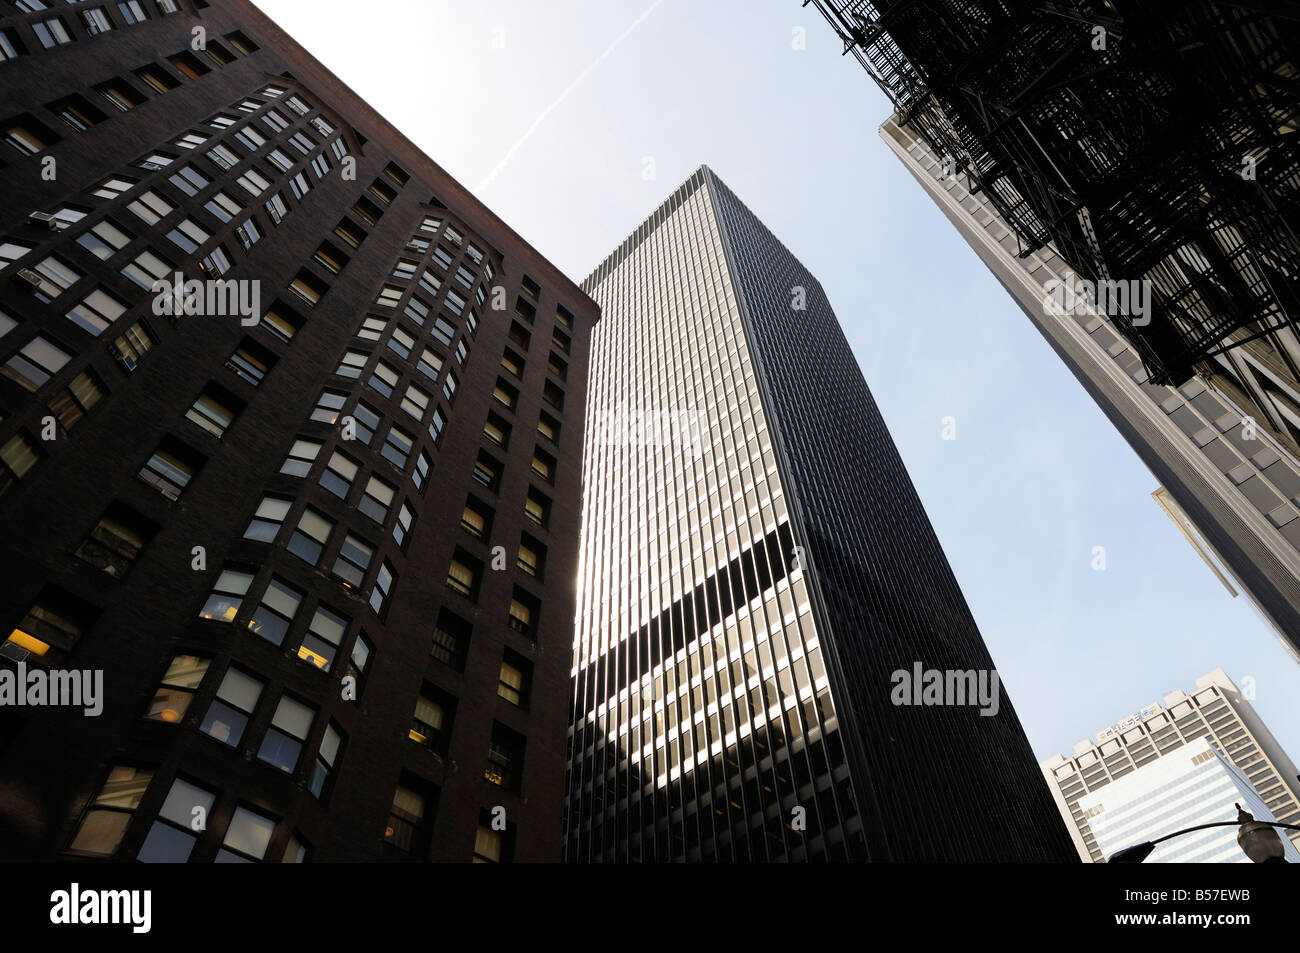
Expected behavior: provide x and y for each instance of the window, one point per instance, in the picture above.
(383, 588)
(267, 519)
(383, 379)
(297, 105)
(214, 411)
(216, 263)
(302, 142)
(549, 428)
(397, 446)
(353, 561)
(402, 526)
(283, 324)
(401, 343)
(451, 639)
(537, 507)
(171, 468)
(172, 837)
(227, 596)
(247, 838)
(187, 236)
(420, 475)
(372, 329)
(10, 46)
(389, 295)
(301, 457)
(242, 43)
(367, 212)
(56, 276)
(176, 690)
(157, 78)
(376, 499)
(132, 12)
(476, 519)
(532, 556)
(52, 32)
(308, 288)
(557, 366)
(254, 182)
(463, 574)
(222, 207)
(360, 658)
(489, 846)
(487, 471)
(279, 160)
(276, 208)
(274, 614)
(497, 430)
(396, 174)
(250, 138)
(321, 643)
(430, 364)
(449, 387)
(289, 729)
(430, 224)
(416, 402)
(455, 303)
(544, 465)
(35, 363)
(17, 456)
(321, 166)
(326, 758)
(505, 395)
(104, 240)
(462, 352)
(505, 758)
(76, 112)
(248, 233)
(431, 723)
(405, 818)
(251, 362)
(308, 540)
(515, 679)
(299, 185)
(519, 336)
(131, 345)
(82, 393)
(191, 140)
(465, 276)
(442, 258)
(55, 620)
(522, 616)
(330, 257)
(230, 711)
(352, 364)
(350, 233)
(416, 310)
(116, 541)
(151, 207)
(275, 121)
(156, 160)
(10, 252)
(147, 269)
(338, 475)
(365, 421)
(106, 818)
(380, 191)
(121, 95)
(560, 340)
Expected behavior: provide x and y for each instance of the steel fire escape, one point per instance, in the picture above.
(1145, 139)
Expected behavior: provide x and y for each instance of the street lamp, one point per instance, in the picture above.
(1258, 839)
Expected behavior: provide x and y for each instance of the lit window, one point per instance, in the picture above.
(227, 596)
(176, 690)
(56, 620)
(130, 346)
(274, 614)
(247, 837)
(106, 818)
(321, 643)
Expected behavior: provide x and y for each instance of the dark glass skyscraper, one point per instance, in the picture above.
(315, 548)
(756, 570)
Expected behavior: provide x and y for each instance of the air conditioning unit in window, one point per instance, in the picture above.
(43, 218)
(276, 217)
(28, 277)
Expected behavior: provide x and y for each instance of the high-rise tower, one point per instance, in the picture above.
(312, 539)
(758, 580)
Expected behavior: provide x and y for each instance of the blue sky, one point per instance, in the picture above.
(1037, 476)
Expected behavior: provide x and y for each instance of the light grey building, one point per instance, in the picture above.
(1191, 786)
(1219, 467)
(1217, 712)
